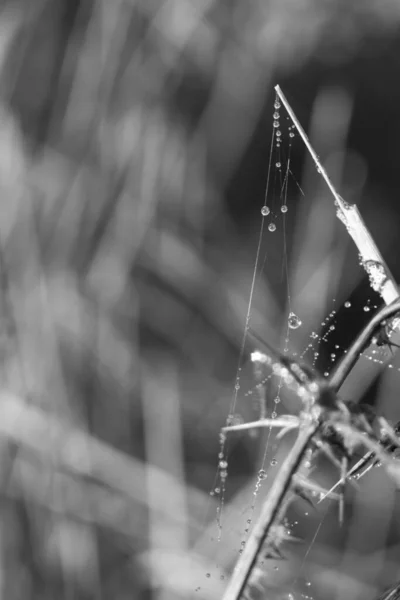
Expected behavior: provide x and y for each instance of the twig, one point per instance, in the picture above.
(348, 361)
(269, 513)
(393, 593)
(381, 279)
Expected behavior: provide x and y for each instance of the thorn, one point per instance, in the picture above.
(307, 484)
(287, 423)
(359, 465)
(389, 431)
(304, 496)
(274, 553)
(343, 477)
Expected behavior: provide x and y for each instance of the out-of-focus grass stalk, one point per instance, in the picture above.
(163, 443)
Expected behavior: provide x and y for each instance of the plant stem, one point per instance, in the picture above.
(270, 510)
(381, 279)
(348, 361)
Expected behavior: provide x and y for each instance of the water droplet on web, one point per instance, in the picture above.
(314, 335)
(367, 308)
(277, 400)
(237, 386)
(271, 227)
(347, 304)
(276, 124)
(278, 133)
(291, 134)
(262, 475)
(274, 462)
(223, 464)
(208, 574)
(332, 327)
(293, 321)
(274, 415)
(276, 115)
(265, 211)
(217, 490)
(278, 164)
(277, 105)
(284, 208)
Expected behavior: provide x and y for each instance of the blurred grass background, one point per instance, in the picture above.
(134, 142)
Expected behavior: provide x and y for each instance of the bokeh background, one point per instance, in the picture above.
(134, 144)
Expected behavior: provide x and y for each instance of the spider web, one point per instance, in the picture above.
(283, 191)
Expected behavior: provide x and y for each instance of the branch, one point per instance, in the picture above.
(269, 513)
(348, 361)
(381, 279)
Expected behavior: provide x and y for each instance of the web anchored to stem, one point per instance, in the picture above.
(323, 416)
(324, 420)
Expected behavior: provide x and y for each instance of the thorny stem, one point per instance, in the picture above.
(269, 513)
(348, 361)
(282, 483)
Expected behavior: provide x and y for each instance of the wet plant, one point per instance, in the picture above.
(324, 421)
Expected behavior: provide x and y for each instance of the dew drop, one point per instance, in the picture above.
(276, 115)
(274, 415)
(277, 400)
(347, 304)
(278, 133)
(291, 134)
(314, 335)
(278, 164)
(293, 321)
(223, 464)
(249, 521)
(367, 308)
(277, 105)
(276, 124)
(217, 490)
(265, 211)
(332, 327)
(274, 462)
(237, 386)
(262, 475)
(271, 227)
(208, 574)
(284, 208)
